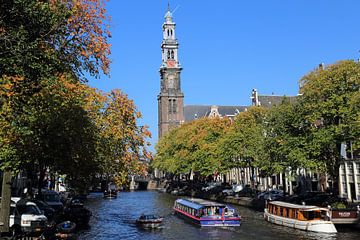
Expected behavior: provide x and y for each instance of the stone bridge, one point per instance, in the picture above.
(143, 183)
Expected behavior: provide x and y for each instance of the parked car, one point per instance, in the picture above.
(247, 191)
(235, 188)
(211, 185)
(51, 198)
(26, 217)
(274, 194)
(48, 211)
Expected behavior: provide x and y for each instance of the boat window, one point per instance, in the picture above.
(281, 211)
(296, 214)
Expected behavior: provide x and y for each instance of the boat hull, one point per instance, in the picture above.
(345, 216)
(110, 195)
(153, 224)
(313, 226)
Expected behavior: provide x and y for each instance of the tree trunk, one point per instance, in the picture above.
(5, 202)
(42, 170)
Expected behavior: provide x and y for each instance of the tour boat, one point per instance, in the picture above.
(308, 218)
(207, 213)
(149, 221)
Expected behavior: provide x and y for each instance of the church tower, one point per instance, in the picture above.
(170, 99)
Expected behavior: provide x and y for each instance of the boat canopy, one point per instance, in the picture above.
(297, 206)
(198, 203)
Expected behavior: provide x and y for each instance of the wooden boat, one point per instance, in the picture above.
(308, 218)
(207, 213)
(149, 221)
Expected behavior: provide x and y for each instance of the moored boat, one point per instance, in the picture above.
(149, 221)
(347, 216)
(207, 213)
(308, 218)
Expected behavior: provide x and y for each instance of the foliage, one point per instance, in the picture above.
(330, 106)
(121, 146)
(286, 140)
(192, 147)
(42, 38)
(242, 145)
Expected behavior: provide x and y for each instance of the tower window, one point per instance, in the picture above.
(169, 106)
(171, 32)
(168, 54)
(172, 54)
(168, 32)
(172, 108)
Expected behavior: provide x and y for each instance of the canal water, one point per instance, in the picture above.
(115, 219)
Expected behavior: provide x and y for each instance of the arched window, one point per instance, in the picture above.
(172, 108)
(172, 54)
(168, 54)
(171, 32)
(168, 32)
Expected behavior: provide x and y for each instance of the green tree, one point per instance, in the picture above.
(330, 106)
(192, 147)
(243, 144)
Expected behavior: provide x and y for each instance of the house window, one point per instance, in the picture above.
(344, 185)
(358, 167)
(350, 167)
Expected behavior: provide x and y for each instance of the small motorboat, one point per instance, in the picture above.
(149, 221)
(111, 191)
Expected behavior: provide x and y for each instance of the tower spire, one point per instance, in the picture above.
(168, 5)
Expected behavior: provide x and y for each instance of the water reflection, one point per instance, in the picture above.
(115, 219)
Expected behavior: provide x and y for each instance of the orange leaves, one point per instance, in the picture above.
(89, 29)
(122, 141)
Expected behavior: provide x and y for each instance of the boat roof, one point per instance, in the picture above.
(196, 203)
(297, 206)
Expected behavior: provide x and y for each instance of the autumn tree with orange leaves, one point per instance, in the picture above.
(49, 117)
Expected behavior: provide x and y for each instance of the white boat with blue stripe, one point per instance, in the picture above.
(207, 213)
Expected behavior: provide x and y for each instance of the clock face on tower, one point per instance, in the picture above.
(170, 63)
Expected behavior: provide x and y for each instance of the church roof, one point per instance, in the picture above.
(192, 112)
(271, 100)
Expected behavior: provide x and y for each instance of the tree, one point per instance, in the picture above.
(330, 104)
(40, 43)
(43, 38)
(287, 140)
(121, 144)
(192, 147)
(243, 144)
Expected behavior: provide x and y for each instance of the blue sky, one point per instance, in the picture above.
(227, 47)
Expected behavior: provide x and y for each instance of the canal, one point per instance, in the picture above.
(115, 219)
